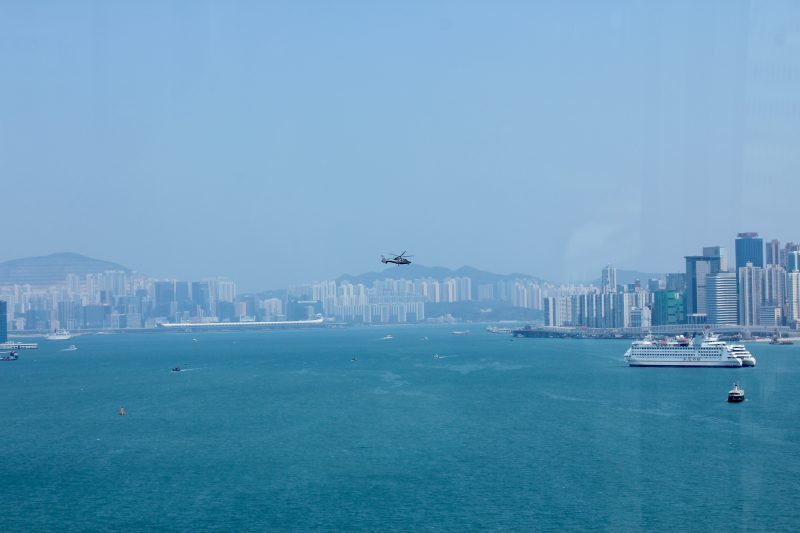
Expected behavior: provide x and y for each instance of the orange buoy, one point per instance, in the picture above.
(121, 411)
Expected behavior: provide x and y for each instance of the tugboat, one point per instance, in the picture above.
(776, 339)
(736, 394)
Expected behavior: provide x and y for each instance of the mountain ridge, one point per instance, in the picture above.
(416, 271)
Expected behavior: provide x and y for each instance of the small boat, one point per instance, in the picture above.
(387, 338)
(176, 369)
(354, 360)
(465, 332)
(10, 356)
(436, 356)
(121, 411)
(736, 394)
(70, 348)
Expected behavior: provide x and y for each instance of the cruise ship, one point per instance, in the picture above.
(681, 351)
(740, 351)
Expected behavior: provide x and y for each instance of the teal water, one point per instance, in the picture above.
(280, 430)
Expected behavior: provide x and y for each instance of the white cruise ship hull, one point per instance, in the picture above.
(671, 355)
(723, 363)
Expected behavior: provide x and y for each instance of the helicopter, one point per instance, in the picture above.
(401, 259)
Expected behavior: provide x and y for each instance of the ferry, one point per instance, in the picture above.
(59, 335)
(736, 394)
(681, 351)
(740, 351)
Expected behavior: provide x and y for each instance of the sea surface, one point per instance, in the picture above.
(284, 431)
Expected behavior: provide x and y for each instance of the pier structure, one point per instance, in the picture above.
(743, 332)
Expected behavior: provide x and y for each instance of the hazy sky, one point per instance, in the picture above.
(285, 142)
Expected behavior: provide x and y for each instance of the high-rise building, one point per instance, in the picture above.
(774, 293)
(640, 317)
(749, 249)
(164, 298)
(464, 289)
(226, 291)
(668, 308)
(770, 316)
(784, 254)
(608, 281)
(182, 299)
(697, 268)
(793, 261)
(551, 317)
(676, 282)
(717, 251)
(773, 252)
(69, 315)
(793, 298)
(750, 286)
(721, 300)
(486, 292)
(201, 296)
(3, 321)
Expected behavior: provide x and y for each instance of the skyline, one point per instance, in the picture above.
(286, 143)
(379, 269)
(51, 292)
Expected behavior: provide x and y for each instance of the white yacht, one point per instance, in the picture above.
(682, 351)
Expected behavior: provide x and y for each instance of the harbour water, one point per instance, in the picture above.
(282, 430)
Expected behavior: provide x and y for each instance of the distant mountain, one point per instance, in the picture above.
(624, 277)
(53, 268)
(415, 271)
